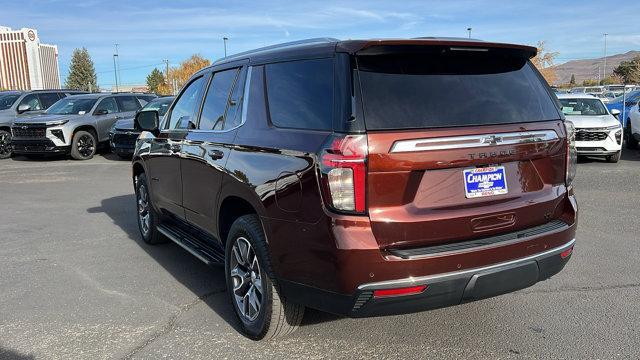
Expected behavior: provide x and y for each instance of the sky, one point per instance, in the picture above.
(149, 31)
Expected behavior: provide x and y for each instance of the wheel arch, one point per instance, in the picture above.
(233, 206)
(85, 127)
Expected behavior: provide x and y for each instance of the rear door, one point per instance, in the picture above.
(462, 144)
(206, 150)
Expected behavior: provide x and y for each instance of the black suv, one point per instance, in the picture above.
(347, 176)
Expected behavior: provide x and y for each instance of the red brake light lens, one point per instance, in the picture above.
(399, 291)
(344, 170)
(565, 254)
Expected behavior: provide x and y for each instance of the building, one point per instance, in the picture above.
(131, 88)
(25, 63)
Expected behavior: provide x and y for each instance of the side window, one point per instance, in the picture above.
(215, 104)
(234, 112)
(48, 99)
(300, 94)
(107, 104)
(128, 103)
(145, 99)
(184, 111)
(33, 102)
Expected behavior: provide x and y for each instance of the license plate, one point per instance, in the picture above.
(487, 181)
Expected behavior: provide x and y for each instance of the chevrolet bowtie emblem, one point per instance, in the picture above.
(492, 140)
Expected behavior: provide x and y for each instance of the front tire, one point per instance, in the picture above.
(614, 158)
(84, 145)
(252, 286)
(148, 219)
(5, 144)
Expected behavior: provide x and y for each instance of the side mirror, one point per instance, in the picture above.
(22, 108)
(615, 112)
(101, 112)
(147, 120)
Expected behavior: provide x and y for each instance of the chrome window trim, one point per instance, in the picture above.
(245, 102)
(474, 141)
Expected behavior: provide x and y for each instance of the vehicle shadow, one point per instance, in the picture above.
(204, 281)
(627, 155)
(7, 354)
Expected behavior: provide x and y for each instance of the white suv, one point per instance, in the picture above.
(598, 132)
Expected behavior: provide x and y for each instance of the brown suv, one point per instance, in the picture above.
(362, 177)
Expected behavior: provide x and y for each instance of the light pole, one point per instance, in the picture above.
(115, 71)
(116, 67)
(604, 69)
(225, 45)
(469, 31)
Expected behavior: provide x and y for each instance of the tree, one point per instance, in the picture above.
(82, 74)
(629, 71)
(544, 60)
(589, 82)
(572, 82)
(154, 80)
(182, 73)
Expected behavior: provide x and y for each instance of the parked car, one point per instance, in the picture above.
(598, 132)
(75, 125)
(123, 135)
(16, 104)
(338, 175)
(630, 99)
(632, 130)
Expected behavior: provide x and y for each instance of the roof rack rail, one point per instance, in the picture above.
(321, 40)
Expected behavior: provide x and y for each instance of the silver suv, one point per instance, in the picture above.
(15, 104)
(75, 125)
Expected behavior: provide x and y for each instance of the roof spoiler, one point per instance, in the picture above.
(386, 46)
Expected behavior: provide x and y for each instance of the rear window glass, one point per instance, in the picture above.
(446, 88)
(300, 94)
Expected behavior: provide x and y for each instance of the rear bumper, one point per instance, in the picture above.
(442, 290)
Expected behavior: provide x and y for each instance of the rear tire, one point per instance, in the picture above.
(148, 219)
(631, 141)
(5, 144)
(84, 145)
(252, 286)
(614, 158)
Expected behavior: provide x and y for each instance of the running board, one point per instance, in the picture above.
(199, 245)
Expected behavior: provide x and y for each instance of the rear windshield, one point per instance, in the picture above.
(447, 88)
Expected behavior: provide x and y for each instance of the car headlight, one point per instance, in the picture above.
(614, 127)
(57, 123)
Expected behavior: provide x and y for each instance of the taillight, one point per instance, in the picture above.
(412, 290)
(343, 164)
(572, 154)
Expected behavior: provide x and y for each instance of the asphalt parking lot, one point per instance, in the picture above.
(76, 281)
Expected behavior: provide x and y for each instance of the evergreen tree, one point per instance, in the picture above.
(154, 80)
(572, 82)
(82, 74)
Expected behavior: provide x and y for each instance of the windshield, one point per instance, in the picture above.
(592, 107)
(7, 100)
(440, 89)
(160, 106)
(71, 106)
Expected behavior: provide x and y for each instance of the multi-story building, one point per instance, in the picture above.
(25, 63)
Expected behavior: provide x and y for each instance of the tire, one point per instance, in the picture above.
(630, 141)
(248, 269)
(84, 145)
(148, 219)
(5, 144)
(614, 158)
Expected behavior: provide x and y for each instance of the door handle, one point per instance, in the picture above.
(216, 154)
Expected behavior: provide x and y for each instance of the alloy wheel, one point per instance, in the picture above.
(143, 209)
(86, 145)
(246, 277)
(5, 144)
